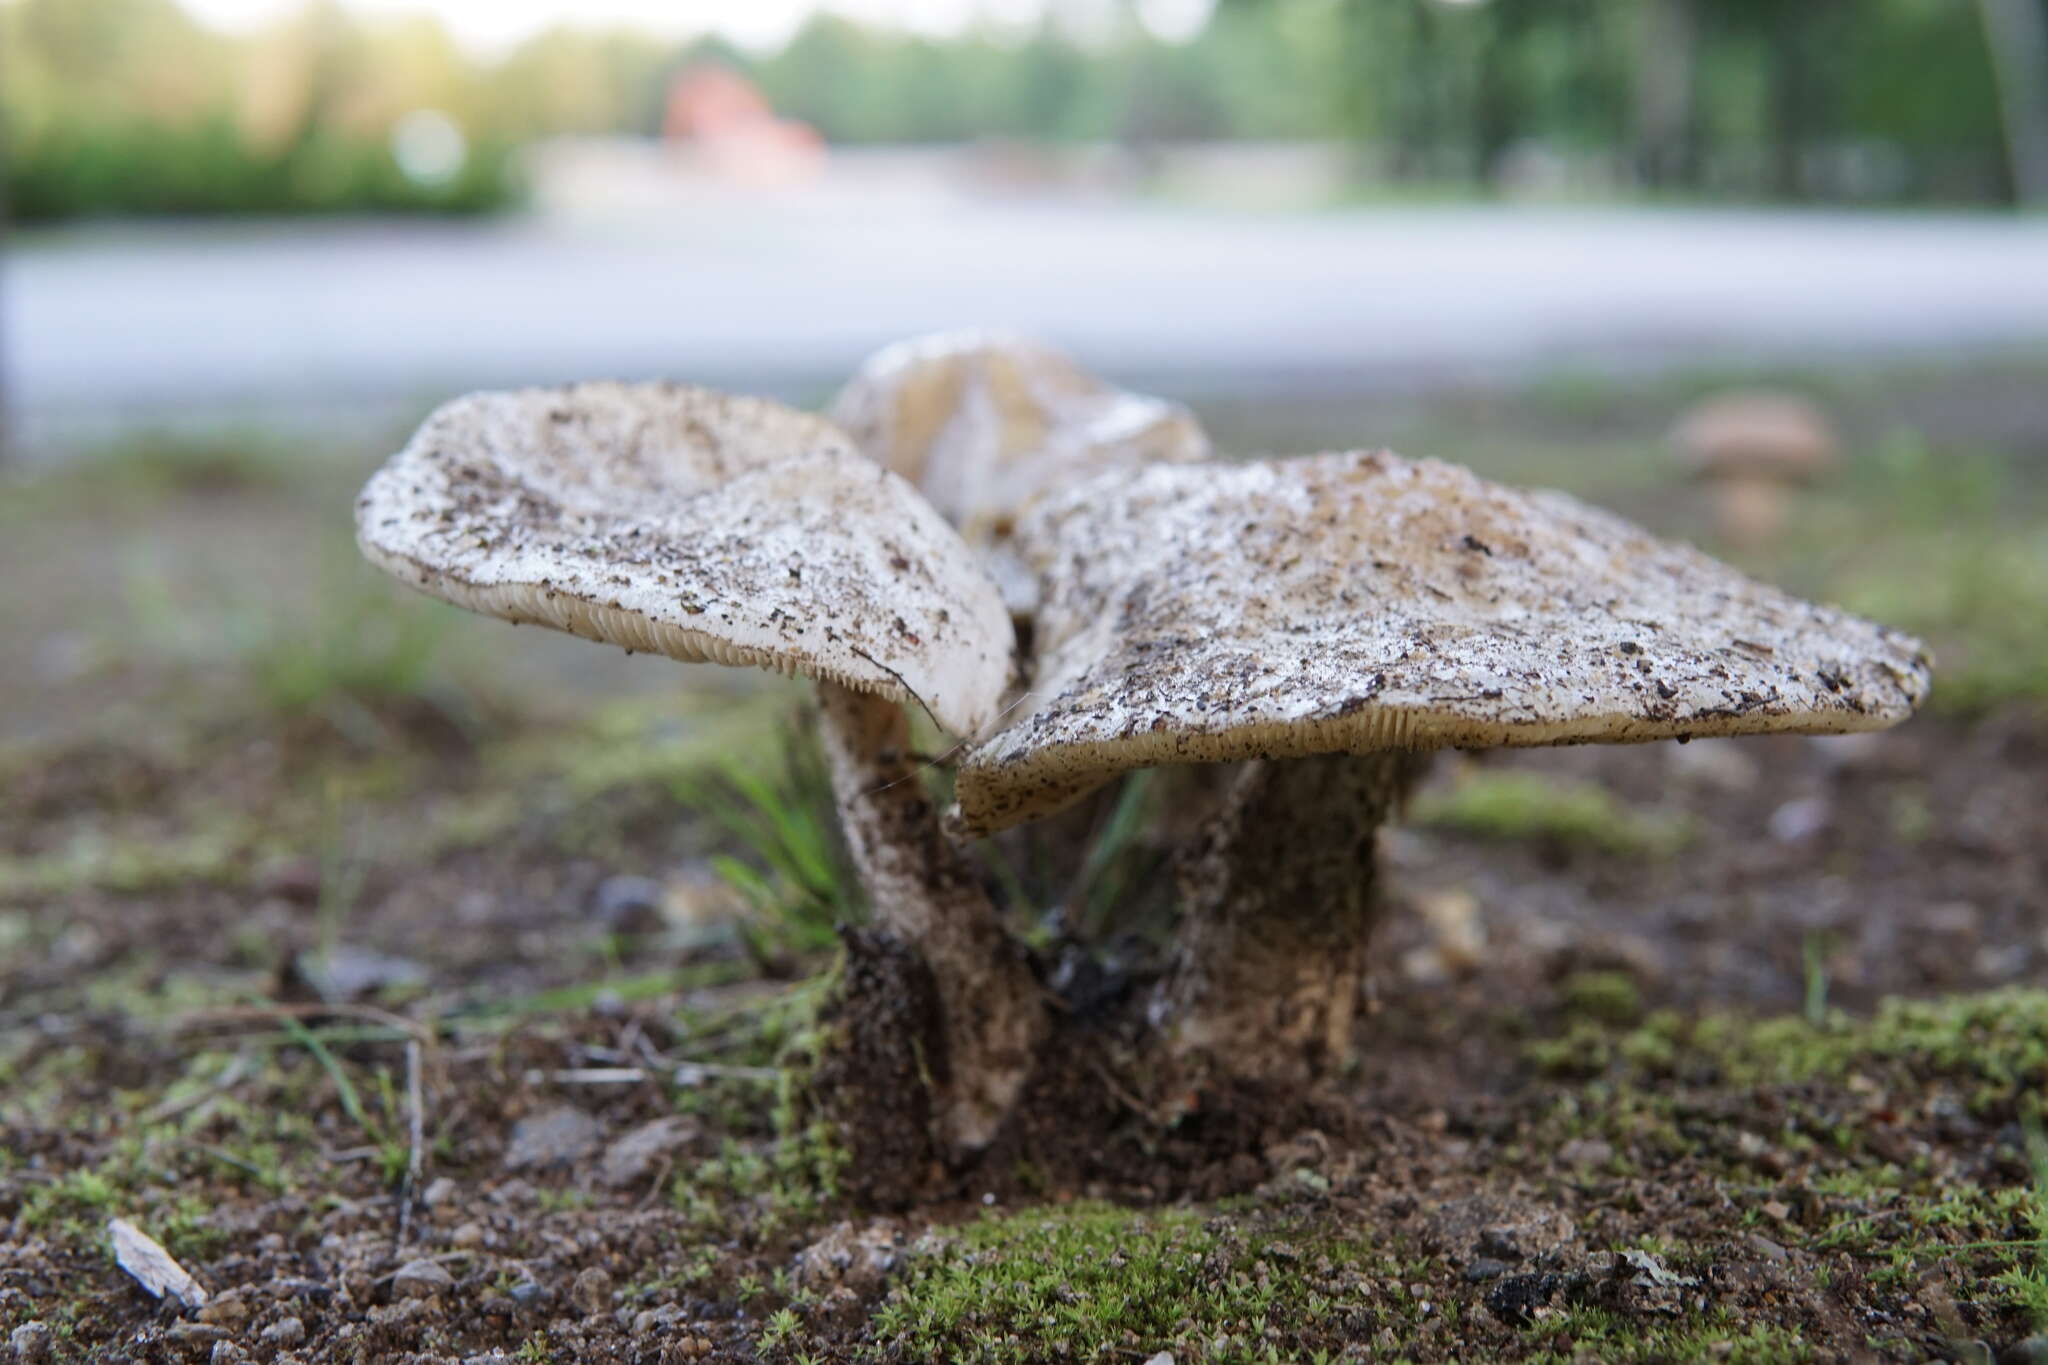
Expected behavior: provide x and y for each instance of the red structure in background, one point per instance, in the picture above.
(721, 120)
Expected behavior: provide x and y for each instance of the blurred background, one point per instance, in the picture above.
(1598, 244)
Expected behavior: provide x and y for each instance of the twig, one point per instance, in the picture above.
(696, 1073)
(416, 1129)
(668, 1164)
(588, 1075)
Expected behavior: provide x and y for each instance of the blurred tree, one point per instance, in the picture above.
(2018, 36)
(127, 105)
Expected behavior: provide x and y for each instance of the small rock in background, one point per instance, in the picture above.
(136, 1252)
(225, 1353)
(592, 1292)
(32, 1343)
(1720, 764)
(1457, 937)
(639, 1152)
(1836, 752)
(649, 1320)
(439, 1191)
(285, 1332)
(1586, 1154)
(420, 1280)
(344, 973)
(1800, 820)
(231, 1310)
(529, 1294)
(629, 905)
(857, 1259)
(552, 1138)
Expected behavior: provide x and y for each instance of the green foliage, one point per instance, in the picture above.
(128, 106)
(206, 167)
(792, 868)
(1514, 805)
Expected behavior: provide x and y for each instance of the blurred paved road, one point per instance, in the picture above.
(784, 294)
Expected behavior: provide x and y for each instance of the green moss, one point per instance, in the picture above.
(1610, 997)
(1596, 1334)
(1093, 1281)
(1512, 805)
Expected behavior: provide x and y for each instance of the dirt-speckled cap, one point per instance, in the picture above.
(1357, 602)
(695, 524)
(983, 422)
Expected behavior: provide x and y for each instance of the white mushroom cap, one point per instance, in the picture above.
(983, 422)
(1358, 602)
(698, 525)
(1756, 433)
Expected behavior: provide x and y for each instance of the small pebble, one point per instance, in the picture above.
(31, 1343)
(230, 1310)
(468, 1235)
(439, 1191)
(529, 1294)
(552, 1139)
(285, 1332)
(592, 1291)
(1766, 1248)
(1586, 1153)
(225, 1353)
(420, 1280)
(1485, 1268)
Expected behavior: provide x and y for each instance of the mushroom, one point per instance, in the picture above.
(731, 530)
(1331, 618)
(1755, 447)
(984, 421)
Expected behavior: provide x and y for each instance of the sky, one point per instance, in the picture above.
(492, 25)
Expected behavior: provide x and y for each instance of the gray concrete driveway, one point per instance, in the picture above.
(784, 293)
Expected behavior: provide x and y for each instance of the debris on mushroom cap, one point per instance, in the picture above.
(1756, 432)
(984, 422)
(1356, 602)
(694, 524)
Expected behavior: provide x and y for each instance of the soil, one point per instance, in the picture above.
(1648, 1087)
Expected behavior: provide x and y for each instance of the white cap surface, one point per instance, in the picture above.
(1357, 602)
(984, 422)
(702, 526)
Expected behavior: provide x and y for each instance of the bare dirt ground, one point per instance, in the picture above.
(430, 995)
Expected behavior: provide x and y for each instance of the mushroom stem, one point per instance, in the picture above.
(1278, 902)
(926, 894)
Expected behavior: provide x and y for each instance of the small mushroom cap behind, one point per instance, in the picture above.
(1756, 433)
(984, 422)
(695, 524)
(1358, 602)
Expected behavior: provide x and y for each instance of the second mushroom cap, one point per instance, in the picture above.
(1359, 602)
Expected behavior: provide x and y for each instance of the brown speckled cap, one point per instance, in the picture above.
(695, 524)
(1358, 602)
(983, 422)
(1756, 433)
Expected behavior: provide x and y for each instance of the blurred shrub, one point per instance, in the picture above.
(206, 167)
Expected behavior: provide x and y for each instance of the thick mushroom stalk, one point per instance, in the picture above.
(925, 893)
(1279, 896)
